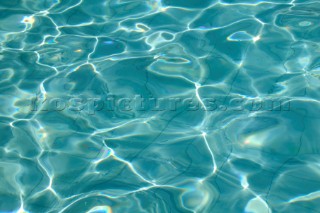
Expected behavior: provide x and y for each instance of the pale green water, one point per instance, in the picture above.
(159, 106)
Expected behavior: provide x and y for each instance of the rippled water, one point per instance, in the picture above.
(159, 106)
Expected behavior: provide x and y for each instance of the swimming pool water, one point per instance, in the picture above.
(144, 106)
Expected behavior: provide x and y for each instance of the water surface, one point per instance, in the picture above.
(159, 106)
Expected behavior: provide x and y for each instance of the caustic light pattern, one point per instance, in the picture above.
(144, 161)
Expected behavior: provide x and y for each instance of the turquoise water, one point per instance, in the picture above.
(148, 106)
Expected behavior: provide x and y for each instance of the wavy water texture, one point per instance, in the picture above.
(175, 160)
